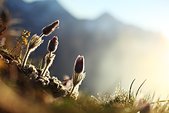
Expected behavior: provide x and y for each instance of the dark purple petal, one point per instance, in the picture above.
(53, 44)
(47, 30)
(79, 64)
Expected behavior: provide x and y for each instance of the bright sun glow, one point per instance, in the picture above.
(166, 33)
(141, 60)
(163, 28)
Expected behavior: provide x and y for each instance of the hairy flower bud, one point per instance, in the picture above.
(53, 44)
(47, 30)
(79, 64)
(34, 42)
(79, 74)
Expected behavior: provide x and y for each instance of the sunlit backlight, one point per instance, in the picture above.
(165, 32)
(140, 59)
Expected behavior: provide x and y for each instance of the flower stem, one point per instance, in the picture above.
(41, 35)
(44, 70)
(72, 90)
(46, 67)
(25, 58)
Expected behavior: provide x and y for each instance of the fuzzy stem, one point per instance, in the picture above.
(41, 35)
(72, 90)
(25, 58)
(44, 70)
(50, 54)
(46, 67)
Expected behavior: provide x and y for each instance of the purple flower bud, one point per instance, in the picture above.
(47, 30)
(53, 44)
(78, 75)
(79, 64)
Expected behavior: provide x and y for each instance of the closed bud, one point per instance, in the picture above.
(79, 73)
(34, 42)
(78, 76)
(47, 30)
(79, 64)
(53, 44)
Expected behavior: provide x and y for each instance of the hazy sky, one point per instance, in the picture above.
(147, 14)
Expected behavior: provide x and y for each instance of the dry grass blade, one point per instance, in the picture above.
(131, 88)
(140, 88)
(159, 101)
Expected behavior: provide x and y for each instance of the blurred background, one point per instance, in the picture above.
(121, 40)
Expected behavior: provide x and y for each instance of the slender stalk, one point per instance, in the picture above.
(72, 90)
(25, 58)
(140, 88)
(46, 67)
(131, 88)
(41, 35)
(44, 70)
(50, 54)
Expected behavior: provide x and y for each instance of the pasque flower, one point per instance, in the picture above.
(53, 44)
(79, 64)
(37, 40)
(34, 42)
(49, 58)
(79, 73)
(79, 67)
(47, 30)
